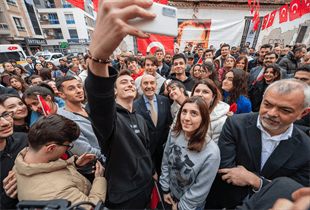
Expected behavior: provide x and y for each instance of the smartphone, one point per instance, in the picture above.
(165, 23)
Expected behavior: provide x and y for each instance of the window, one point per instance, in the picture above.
(5, 56)
(4, 26)
(69, 18)
(53, 17)
(18, 23)
(11, 2)
(66, 4)
(57, 33)
(88, 34)
(73, 34)
(49, 4)
(85, 18)
(90, 11)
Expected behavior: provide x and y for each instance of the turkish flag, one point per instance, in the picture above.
(252, 10)
(156, 42)
(265, 22)
(77, 3)
(271, 19)
(44, 106)
(200, 61)
(95, 2)
(295, 10)
(155, 198)
(283, 14)
(249, 3)
(163, 2)
(305, 7)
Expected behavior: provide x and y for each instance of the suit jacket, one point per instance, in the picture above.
(31, 70)
(255, 72)
(165, 70)
(240, 144)
(158, 135)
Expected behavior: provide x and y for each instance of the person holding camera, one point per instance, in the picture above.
(122, 134)
(41, 173)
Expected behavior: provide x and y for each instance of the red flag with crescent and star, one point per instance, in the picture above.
(156, 42)
(283, 14)
(271, 19)
(295, 10)
(265, 22)
(305, 7)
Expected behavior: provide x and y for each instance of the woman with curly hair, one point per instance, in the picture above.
(235, 91)
(195, 71)
(20, 70)
(55, 70)
(208, 71)
(228, 65)
(18, 84)
(242, 63)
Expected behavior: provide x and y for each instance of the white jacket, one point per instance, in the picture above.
(218, 118)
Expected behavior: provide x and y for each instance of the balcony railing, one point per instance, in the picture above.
(21, 28)
(66, 6)
(50, 6)
(58, 37)
(4, 26)
(11, 2)
(70, 21)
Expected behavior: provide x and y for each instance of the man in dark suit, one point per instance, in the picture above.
(155, 109)
(270, 58)
(30, 66)
(163, 68)
(259, 147)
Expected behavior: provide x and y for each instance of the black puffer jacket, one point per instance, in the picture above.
(289, 63)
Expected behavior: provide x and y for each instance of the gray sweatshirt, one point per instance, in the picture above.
(87, 141)
(188, 174)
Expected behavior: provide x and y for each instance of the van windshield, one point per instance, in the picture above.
(5, 56)
(47, 57)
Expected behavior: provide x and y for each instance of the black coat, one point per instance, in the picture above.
(289, 63)
(158, 135)
(254, 63)
(256, 93)
(64, 69)
(14, 144)
(5, 90)
(33, 71)
(188, 83)
(123, 138)
(240, 143)
(164, 71)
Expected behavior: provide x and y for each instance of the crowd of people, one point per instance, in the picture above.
(214, 129)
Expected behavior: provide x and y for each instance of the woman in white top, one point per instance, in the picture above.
(207, 90)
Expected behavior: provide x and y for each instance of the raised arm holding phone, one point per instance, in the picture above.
(123, 135)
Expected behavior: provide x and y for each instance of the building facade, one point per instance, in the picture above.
(19, 24)
(66, 27)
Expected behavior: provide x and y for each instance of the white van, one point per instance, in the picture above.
(12, 51)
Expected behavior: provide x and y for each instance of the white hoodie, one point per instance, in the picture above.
(218, 118)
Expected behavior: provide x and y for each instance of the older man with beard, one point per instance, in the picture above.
(257, 148)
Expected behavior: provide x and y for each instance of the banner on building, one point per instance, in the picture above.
(197, 32)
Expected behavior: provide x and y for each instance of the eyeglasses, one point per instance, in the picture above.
(7, 115)
(69, 147)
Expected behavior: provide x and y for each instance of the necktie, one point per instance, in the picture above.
(153, 113)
